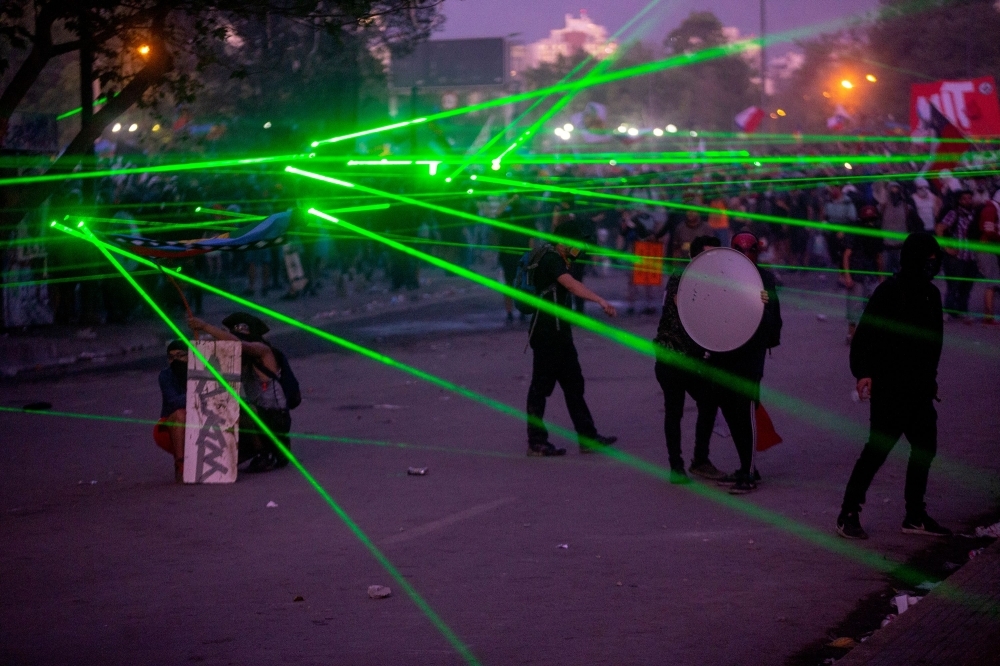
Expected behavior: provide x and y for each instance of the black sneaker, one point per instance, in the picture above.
(849, 526)
(743, 486)
(925, 525)
(262, 462)
(707, 470)
(598, 443)
(679, 478)
(545, 451)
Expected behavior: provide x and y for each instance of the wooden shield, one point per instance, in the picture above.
(213, 414)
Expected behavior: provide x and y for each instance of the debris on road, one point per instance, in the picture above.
(845, 642)
(272, 505)
(379, 591)
(417, 471)
(299, 598)
(821, 317)
(564, 546)
(991, 531)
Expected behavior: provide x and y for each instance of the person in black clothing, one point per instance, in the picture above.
(554, 354)
(173, 389)
(677, 378)
(894, 357)
(738, 397)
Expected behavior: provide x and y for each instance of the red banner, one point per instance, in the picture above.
(649, 269)
(970, 104)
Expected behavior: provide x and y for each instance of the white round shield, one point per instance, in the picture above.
(718, 299)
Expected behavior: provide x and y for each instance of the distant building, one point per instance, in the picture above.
(581, 35)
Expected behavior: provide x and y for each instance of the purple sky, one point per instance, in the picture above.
(534, 18)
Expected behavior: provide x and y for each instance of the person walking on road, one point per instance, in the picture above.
(894, 357)
(554, 355)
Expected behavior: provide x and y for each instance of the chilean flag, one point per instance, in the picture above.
(749, 118)
(947, 151)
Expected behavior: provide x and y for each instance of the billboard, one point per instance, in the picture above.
(970, 105)
(448, 63)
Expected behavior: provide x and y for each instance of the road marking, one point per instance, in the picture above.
(427, 528)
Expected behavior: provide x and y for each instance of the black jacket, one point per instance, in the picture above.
(898, 340)
(748, 361)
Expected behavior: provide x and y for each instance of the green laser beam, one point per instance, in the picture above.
(760, 217)
(468, 216)
(772, 517)
(393, 572)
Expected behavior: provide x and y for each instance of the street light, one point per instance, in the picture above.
(781, 112)
(143, 50)
(847, 84)
(871, 78)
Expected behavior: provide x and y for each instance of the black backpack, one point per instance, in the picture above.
(287, 380)
(524, 279)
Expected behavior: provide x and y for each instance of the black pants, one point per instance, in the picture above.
(738, 408)
(556, 362)
(956, 299)
(891, 417)
(675, 383)
(253, 441)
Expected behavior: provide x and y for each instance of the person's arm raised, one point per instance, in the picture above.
(577, 288)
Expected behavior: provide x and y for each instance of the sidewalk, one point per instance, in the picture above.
(49, 348)
(957, 625)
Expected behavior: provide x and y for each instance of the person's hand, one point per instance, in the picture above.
(608, 308)
(847, 281)
(865, 388)
(765, 298)
(195, 324)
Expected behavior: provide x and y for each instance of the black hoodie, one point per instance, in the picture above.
(898, 341)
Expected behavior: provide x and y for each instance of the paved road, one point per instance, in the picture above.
(105, 561)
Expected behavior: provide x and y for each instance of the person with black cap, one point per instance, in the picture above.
(894, 357)
(261, 385)
(554, 355)
(738, 398)
(173, 389)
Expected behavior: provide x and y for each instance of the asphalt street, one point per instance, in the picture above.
(576, 560)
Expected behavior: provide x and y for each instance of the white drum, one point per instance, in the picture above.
(718, 299)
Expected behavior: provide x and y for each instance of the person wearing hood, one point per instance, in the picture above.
(260, 385)
(173, 389)
(894, 357)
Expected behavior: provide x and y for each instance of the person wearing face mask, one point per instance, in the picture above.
(173, 389)
(738, 403)
(267, 385)
(927, 204)
(894, 357)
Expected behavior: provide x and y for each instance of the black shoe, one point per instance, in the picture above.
(597, 443)
(545, 451)
(924, 525)
(743, 486)
(736, 477)
(707, 470)
(849, 526)
(679, 478)
(262, 462)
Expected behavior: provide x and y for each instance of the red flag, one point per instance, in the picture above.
(749, 119)
(767, 436)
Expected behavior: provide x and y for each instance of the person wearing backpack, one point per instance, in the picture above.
(267, 384)
(555, 358)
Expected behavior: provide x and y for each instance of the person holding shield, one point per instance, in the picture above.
(738, 394)
(677, 356)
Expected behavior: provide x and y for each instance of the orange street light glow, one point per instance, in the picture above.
(871, 77)
(144, 50)
(781, 112)
(847, 84)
